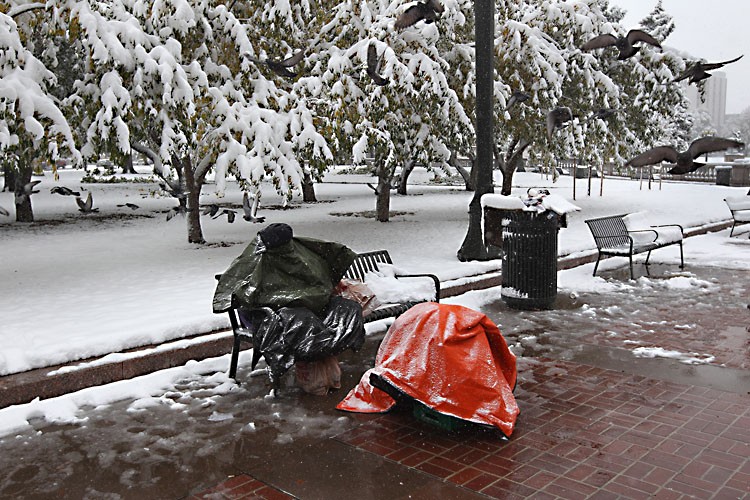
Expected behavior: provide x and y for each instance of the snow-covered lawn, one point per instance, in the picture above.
(76, 286)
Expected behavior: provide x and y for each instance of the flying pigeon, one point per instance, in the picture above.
(373, 66)
(281, 67)
(516, 97)
(429, 11)
(64, 191)
(131, 206)
(683, 161)
(557, 118)
(28, 188)
(602, 114)
(249, 211)
(699, 70)
(178, 210)
(623, 43)
(174, 188)
(4, 212)
(86, 206)
(26, 191)
(211, 209)
(231, 214)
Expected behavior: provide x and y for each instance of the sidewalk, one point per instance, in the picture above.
(62, 379)
(596, 421)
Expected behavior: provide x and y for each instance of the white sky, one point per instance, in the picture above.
(716, 31)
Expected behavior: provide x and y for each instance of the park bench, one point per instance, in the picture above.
(740, 208)
(628, 235)
(363, 264)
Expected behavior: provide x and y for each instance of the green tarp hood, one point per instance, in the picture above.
(299, 273)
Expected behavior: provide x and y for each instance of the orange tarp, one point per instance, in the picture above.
(449, 357)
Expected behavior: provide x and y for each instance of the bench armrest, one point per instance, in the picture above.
(431, 276)
(682, 230)
(656, 234)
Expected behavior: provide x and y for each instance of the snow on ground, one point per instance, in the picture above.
(76, 286)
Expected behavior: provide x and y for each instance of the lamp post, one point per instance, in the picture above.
(484, 36)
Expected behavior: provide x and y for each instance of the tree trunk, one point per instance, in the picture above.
(193, 186)
(405, 172)
(473, 247)
(308, 188)
(383, 193)
(465, 174)
(9, 172)
(24, 211)
(127, 165)
(507, 181)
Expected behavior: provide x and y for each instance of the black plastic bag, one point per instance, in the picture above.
(295, 333)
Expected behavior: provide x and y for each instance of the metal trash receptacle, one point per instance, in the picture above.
(723, 175)
(528, 242)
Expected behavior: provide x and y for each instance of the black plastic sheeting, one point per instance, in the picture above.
(296, 334)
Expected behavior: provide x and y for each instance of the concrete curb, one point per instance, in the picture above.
(44, 383)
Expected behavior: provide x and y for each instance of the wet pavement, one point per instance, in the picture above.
(599, 418)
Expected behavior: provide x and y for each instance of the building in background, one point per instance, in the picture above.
(714, 99)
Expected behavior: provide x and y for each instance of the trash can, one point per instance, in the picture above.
(530, 259)
(723, 175)
(524, 231)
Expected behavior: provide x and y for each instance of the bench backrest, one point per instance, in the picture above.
(609, 231)
(738, 202)
(366, 263)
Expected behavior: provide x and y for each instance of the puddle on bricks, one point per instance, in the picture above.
(197, 432)
(689, 326)
(186, 439)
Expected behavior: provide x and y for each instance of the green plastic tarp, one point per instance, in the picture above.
(299, 273)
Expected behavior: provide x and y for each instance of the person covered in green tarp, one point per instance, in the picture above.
(283, 285)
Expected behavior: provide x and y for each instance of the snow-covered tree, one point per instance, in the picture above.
(658, 23)
(31, 122)
(416, 116)
(184, 82)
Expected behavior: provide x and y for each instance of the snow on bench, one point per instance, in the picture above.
(740, 208)
(631, 234)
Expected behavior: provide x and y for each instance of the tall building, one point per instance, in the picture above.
(714, 98)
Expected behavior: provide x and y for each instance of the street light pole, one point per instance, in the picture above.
(484, 36)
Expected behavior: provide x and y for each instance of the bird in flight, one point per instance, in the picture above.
(281, 67)
(516, 97)
(428, 11)
(178, 210)
(231, 214)
(373, 65)
(211, 209)
(557, 118)
(250, 210)
(62, 190)
(131, 206)
(684, 160)
(623, 43)
(700, 71)
(87, 206)
(602, 114)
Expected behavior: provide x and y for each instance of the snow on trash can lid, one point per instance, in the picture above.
(536, 199)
